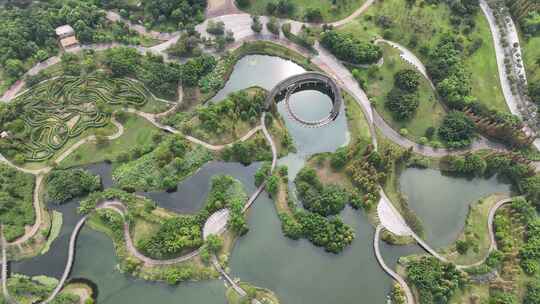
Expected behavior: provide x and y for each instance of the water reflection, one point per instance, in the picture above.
(442, 202)
(296, 270)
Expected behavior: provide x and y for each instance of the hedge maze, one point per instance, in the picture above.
(59, 109)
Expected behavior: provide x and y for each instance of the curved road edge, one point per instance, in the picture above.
(394, 275)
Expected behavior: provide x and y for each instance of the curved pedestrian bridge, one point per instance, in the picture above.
(302, 82)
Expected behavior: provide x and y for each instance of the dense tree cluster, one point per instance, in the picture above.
(27, 33)
(322, 199)
(471, 163)
(401, 103)
(169, 15)
(174, 235)
(246, 152)
(159, 166)
(348, 48)
(435, 281)
(160, 77)
(367, 171)
(282, 8)
(532, 295)
(332, 234)
(16, 208)
(457, 130)
(186, 46)
(407, 80)
(63, 185)
(529, 253)
(194, 69)
(531, 23)
(183, 233)
(217, 118)
(502, 297)
(446, 67)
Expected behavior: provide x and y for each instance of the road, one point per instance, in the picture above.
(240, 25)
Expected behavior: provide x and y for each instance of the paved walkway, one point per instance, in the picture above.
(140, 29)
(410, 58)
(390, 218)
(152, 118)
(513, 101)
(71, 257)
(216, 223)
(491, 232)
(404, 287)
(217, 8)
(240, 24)
(38, 211)
(5, 290)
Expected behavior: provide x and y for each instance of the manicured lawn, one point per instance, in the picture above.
(106, 130)
(144, 230)
(531, 53)
(328, 10)
(56, 226)
(233, 127)
(260, 293)
(425, 26)
(356, 121)
(4, 84)
(485, 82)
(429, 113)
(472, 292)
(475, 230)
(137, 132)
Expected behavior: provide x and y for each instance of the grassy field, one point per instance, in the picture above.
(429, 113)
(531, 53)
(137, 132)
(356, 121)
(56, 226)
(262, 294)
(359, 132)
(485, 82)
(329, 11)
(424, 26)
(233, 126)
(475, 230)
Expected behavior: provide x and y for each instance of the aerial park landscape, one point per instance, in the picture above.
(270, 151)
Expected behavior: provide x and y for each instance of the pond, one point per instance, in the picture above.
(258, 70)
(442, 202)
(296, 270)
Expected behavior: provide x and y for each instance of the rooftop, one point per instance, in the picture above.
(64, 30)
(68, 41)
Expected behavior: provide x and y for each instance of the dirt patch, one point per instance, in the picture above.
(328, 175)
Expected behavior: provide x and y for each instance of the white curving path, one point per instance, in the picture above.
(240, 25)
(394, 275)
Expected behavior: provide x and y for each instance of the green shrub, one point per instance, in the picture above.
(63, 185)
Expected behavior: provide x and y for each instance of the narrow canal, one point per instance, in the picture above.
(296, 270)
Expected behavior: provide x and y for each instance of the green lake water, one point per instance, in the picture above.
(296, 270)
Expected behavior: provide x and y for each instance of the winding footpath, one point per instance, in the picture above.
(240, 25)
(394, 275)
(4, 266)
(218, 226)
(404, 286)
(513, 101)
(409, 57)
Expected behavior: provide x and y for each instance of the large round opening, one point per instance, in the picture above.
(309, 106)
